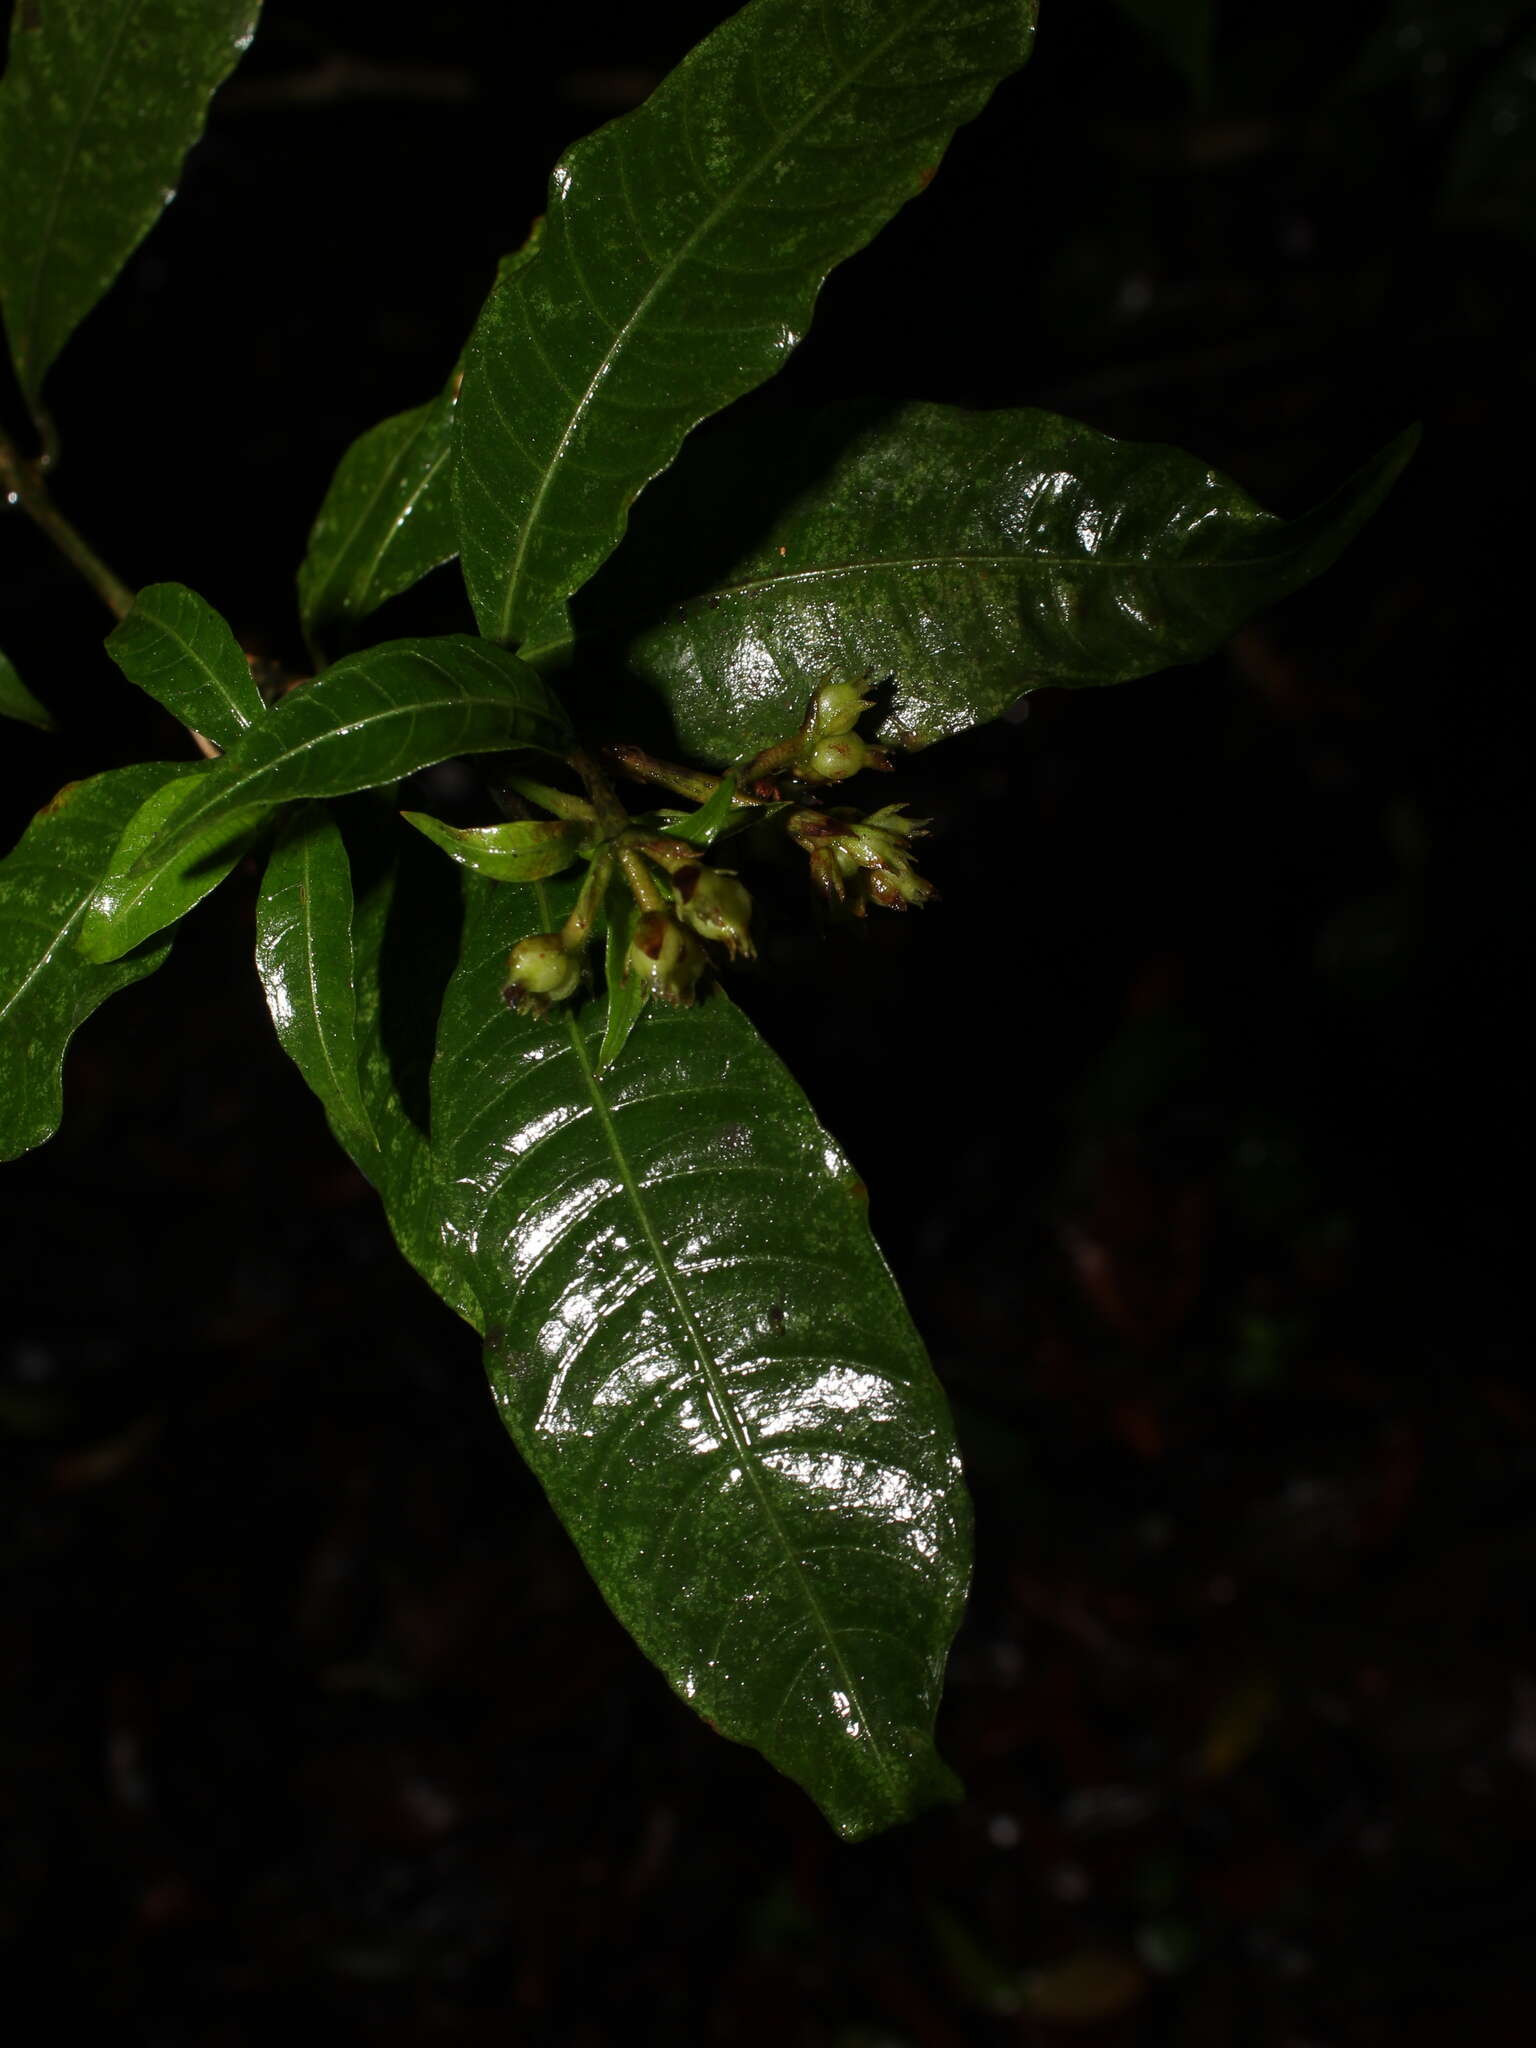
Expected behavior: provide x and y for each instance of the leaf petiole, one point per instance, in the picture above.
(22, 484)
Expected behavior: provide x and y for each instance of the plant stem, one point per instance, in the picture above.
(642, 883)
(22, 483)
(612, 818)
(693, 783)
(578, 926)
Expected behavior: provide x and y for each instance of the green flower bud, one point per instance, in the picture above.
(539, 972)
(715, 905)
(667, 959)
(835, 759)
(837, 709)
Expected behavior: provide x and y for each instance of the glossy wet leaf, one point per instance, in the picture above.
(100, 102)
(179, 651)
(123, 913)
(371, 719)
(517, 851)
(304, 959)
(965, 556)
(623, 994)
(17, 701)
(698, 1349)
(47, 987)
(684, 246)
(404, 945)
(704, 826)
(386, 520)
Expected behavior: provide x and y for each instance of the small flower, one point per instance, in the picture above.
(667, 959)
(715, 905)
(859, 861)
(540, 971)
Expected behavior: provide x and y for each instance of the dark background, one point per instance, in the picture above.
(1191, 1116)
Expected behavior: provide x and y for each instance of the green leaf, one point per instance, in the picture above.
(100, 102)
(304, 959)
(967, 556)
(704, 826)
(47, 988)
(386, 520)
(179, 651)
(684, 246)
(696, 1345)
(623, 994)
(518, 851)
(17, 701)
(404, 941)
(121, 916)
(371, 719)
(1183, 31)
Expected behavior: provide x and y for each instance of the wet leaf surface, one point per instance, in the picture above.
(698, 1349)
(387, 519)
(179, 651)
(963, 558)
(683, 249)
(373, 718)
(518, 850)
(305, 961)
(47, 986)
(100, 102)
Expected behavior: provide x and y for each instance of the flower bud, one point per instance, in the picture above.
(667, 959)
(835, 759)
(715, 905)
(539, 972)
(837, 709)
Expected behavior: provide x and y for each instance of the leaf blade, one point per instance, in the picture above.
(100, 102)
(404, 935)
(373, 718)
(387, 518)
(305, 963)
(47, 988)
(777, 149)
(18, 702)
(176, 648)
(699, 1351)
(517, 851)
(385, 521)
(968, 556)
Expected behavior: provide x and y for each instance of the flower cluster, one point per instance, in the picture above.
(858, 861)
(679, 901)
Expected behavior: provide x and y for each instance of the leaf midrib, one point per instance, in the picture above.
(966, 558)
(226, 694)
(51, 949)
(27, 333)
(741, 1444)
(663, 276)
(351, 1099)
(225, 801)
(328, 590)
